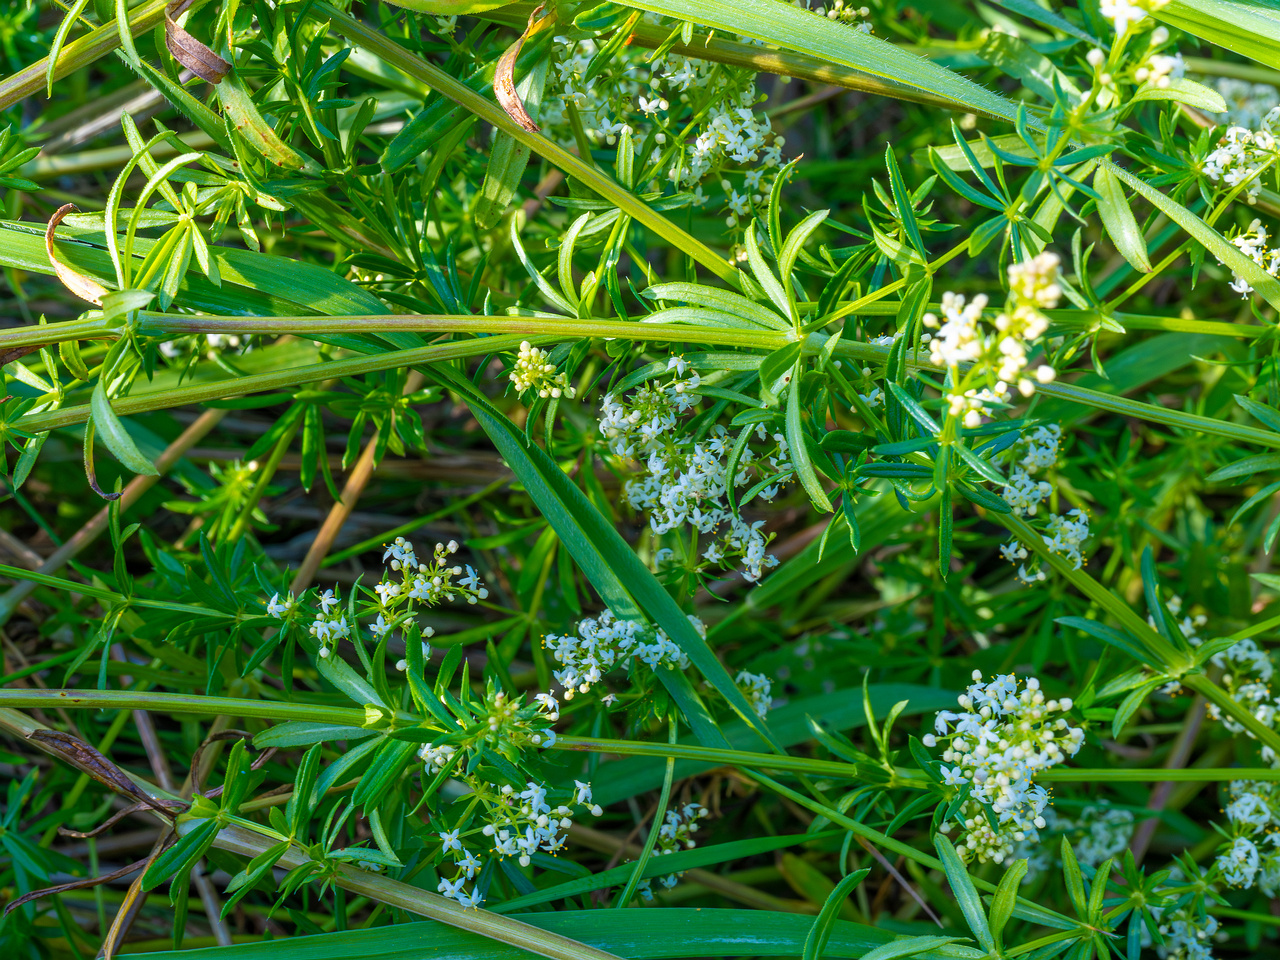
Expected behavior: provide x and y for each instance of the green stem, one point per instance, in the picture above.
(451, 323)
(712, 755)
(659, 815)
(1159, 775)
(185, 704)
(267, 382)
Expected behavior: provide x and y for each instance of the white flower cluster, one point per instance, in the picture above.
(532, 372)
(1247, 671)
(1039, 450)
(1101, 832)
(758, 689)
(421, 583)
(519, 825)
(655, 98)
(1240, 155)
(675, 834)
(1253, 244)
(1247, 103)
(685, 482)
(1188, 935)
(997, 356)
(847, 13)
(330, 624)
(1125, 13)
(398, 596)
(605, 642)
(1160, 69)
(997, 744)
(1064, 534)
(1252, 857)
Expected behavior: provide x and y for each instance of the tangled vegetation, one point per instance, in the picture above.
(804, 473)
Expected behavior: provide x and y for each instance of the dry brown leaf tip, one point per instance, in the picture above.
(189, 51)
(504, 81)
(86, 288)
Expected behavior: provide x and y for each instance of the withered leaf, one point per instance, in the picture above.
(76, 885)
(86, 288)
(8, 356)
(189, 51)
(86, 758)
(504, 81)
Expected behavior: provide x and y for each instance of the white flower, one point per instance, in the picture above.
(651, 107)
(1124, 13)
(451, 888)
(280, 608)
(1239, 864)
(1240, 155)
(450, 841)
(757, 688)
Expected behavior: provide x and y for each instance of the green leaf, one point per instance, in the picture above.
(1267, 286)
(1037, 72)
(1245, 467)
(1250, 29)
(1073, 877)
(1260, 411)
(1130, 704)
(795, 243)
(303, 733)
(1185, 91)
(1033, 11)
(799, 449)
(965, 892)
(1118, 219)
(115, 436)
(795, 29)
(1006, 898)
(726, 300)
(911, 947)
(816, 943)
(764, 276)
(777, 370)
(181, 857)
(646, 934)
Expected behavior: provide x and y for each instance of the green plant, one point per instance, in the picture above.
(847, 436)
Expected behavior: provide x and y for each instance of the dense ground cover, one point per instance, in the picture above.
(805, 474)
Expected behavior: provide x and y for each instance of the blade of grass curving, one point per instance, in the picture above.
(797, 29)
(609, 562)
(1249, 29)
